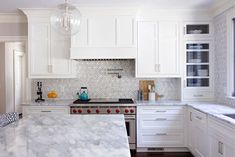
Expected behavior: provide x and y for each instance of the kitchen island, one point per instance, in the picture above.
(65, 136)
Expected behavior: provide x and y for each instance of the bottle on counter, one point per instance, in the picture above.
(140, 95)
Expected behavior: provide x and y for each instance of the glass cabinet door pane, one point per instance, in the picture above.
(197, 70)
(202, 82)
(197, 46)
(197, 57)
(197, 29)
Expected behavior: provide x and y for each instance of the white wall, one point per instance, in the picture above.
(7, 75)
(2, 78)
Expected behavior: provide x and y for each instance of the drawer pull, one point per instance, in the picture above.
(45, 111)
(161, 119)
(200, 118)
(220, 148)
(161, 111)
(161, 134)
(199, 95)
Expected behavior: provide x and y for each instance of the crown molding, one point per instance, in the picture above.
(221, 6)
(12, 18)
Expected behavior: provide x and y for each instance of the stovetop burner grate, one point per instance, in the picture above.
(104, 101)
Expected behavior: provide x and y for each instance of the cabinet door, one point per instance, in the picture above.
(200, 136)
(200, 141)
(101, 31)
(228, 150)
(81, 38)
(147, 49)
(39, 49)
(215, 147)
(168, 55)
(125, 31)
(60, 61)
(190, 132)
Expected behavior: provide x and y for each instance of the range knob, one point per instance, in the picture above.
(88, 110)
(108, 110)
(97, 111)
(79, 110)
(126, 110)
(132, 110)
(117, 110)
(74, 111)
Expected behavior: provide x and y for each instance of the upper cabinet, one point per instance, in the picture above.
(158, 49)
(195, 30)
(48, 51)
(105, 36)
(198, 48)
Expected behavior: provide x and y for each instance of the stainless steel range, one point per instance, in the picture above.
(110, 106)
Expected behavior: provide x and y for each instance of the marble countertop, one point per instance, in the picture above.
(65, 136)
(160, 102)
(60, 102)
(214, 110)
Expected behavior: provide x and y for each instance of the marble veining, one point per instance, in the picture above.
(65, 136)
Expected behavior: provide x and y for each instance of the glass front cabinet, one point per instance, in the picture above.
(198, 81)
(197, 30)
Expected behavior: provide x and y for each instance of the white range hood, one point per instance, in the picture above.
(103, 53)
(106, 35)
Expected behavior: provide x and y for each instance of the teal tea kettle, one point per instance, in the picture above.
(83, 94)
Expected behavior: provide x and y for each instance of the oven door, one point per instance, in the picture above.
(130, 128)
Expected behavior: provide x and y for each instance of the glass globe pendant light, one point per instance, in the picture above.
(66, 19)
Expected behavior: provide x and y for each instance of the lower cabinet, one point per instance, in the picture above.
(28, 110)
(221, 139)
(197, 133)
(160, 126)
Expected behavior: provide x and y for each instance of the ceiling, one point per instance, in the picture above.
(12, 5)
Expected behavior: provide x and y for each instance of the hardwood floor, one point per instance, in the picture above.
(161, 154)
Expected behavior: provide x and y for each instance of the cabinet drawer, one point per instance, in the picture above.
(54, 109)
(45, 110)
(160, 110)
(160, 121)
(200, 118)
(160, 139)
(198, 95)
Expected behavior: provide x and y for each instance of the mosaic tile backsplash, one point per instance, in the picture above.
(94, 75)
(220, 31)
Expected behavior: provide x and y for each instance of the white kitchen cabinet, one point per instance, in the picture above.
(102, 31)
(39, 49)
(196, 30)
(160, 126)
(190, 131)
(48, 51)
(106, 31)
(29, 110)
(60, 55)
(105, 37)
(198, 82)
(197, 133)
(221, 139)
(158, 49)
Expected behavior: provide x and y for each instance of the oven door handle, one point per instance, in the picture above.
(129, 116)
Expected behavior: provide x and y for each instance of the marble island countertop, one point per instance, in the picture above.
(65, 136)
